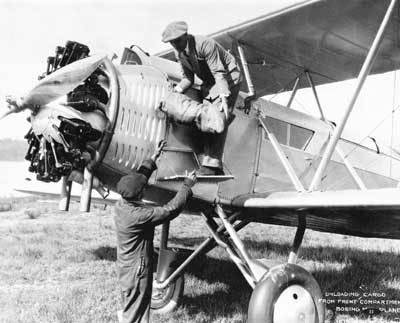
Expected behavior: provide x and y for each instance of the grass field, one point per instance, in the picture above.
(60, 267)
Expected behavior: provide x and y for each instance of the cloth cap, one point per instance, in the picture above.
(130, 186)
(174, 30)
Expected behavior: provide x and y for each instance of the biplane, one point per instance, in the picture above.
(100, 120)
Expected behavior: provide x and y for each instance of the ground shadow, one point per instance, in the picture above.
(354, 270)
(105, 253)
(360, 270)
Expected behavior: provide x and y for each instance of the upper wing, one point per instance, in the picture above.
(328, 38)
(370, 213)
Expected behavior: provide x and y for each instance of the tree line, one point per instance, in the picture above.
(12, 149)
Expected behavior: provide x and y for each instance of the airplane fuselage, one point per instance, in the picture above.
(249, 155)
(132, 125)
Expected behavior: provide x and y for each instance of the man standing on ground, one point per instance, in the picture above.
(135, 224)
(204, 57)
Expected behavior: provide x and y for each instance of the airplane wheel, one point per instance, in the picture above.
(167, 299)
(287, 293)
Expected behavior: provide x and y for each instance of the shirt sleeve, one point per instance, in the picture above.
(170, 210)
(147, 168)
(212, 54)
(187, 77)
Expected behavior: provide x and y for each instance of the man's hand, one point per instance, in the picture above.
(158, 150)
(177, 89)
(191, 179)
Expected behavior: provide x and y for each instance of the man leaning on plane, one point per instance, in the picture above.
(221, 76)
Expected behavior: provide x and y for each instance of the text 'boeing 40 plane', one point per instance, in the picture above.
(281, 166)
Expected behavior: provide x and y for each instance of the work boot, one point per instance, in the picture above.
(209, 171)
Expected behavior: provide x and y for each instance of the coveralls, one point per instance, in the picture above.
(135, 232)
(220, 74)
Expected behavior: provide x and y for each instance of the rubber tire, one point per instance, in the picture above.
(173, 294)
(171, 300)
(271, 286)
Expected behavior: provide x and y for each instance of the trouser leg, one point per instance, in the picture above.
(181, 108)
(136, 301)
(214, 143)
(214, 149)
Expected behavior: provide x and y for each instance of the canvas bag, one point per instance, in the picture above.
(206, 115)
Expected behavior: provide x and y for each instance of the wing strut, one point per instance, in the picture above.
(311, 82)
(283, 158)
(366, 68)
(351, 169)
(294, 91)
(218, 232)
(251, 94)
(312, 85)
(298, 239)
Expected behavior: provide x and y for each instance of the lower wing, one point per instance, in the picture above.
(56, 197)
(368, 213)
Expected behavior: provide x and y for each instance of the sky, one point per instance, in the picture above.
(30, 31)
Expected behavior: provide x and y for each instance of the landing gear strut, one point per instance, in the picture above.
(165, 298)
(287, 286)
(286, 293)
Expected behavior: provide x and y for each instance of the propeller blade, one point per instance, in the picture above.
(10, 111)
(5, 114)
(62, 81)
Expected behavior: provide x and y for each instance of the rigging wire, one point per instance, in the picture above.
(286, 89)
(367, 167)
(358, 144)
(286, 86)
(303, 106)
(370, 133)
(392, 130)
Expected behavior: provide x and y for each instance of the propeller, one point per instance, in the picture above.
(13, 106)
(55, 85)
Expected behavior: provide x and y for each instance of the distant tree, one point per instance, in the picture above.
(12, 149)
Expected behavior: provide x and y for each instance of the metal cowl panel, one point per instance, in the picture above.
(112, 109)
(139, 125)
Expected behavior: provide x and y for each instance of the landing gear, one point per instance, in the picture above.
(165, 300)
(288, 293)
(283, 294)
(166, 292)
